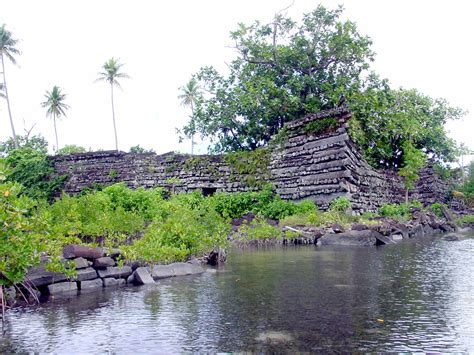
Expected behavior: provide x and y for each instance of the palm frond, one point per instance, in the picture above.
(111, 72)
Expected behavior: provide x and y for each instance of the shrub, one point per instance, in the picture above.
(179, 233)
(401, 210)
(71, 149)
(33, 171)
(24, 233)
(436, 208)
(259, 230)
(340, 204)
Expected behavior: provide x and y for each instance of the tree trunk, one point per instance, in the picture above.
(56, 133)
(406, 196)
(113, 114)
(192, 135)
(15, 140)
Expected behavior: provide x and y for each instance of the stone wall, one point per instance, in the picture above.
(319, 165)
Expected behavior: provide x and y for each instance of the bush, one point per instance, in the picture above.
(436, 208)
(33, 171)
(24, 233)
(402, 210)
(71, 149)
(258, 230)
(179, 232)
(340, 204)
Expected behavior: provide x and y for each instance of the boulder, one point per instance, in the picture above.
(114, 253)
(116, 272)
(73, 251)
(85, 274)
(90, 284)
(182, 269)
(363, 238)
(417, 231)
(134, 265)
(103, 262)
(176, 269)
(445, 227)
(62, 287)
(81, 263)
(162, 271)
(110, 282)
(382, 239)
(359, 227)
(446, 213)
(38, 276)
(453, 237)
(337, 228)
(397, 237)
(142, 276)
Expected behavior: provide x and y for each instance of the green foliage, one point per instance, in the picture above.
(24, 233)
(105, 216)
(468, 187)
(402, 210)
(252, 166)
(258, 230)
(465, 220)
(264, 202)
(414, 160)
(20, 234)
(283, 70)
(137, 149)
(321, 125)
(37, 143)
(179, 231)
(33, 171)
(436, 208)
(386, 119)
(71, 149)
(286, 69)
(340, 204)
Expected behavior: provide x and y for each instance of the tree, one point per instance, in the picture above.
(36, 142)
(55, 107)
(414, 160)
(137, 149)
(8, 50)
(2, 91)
(385, 119)
(190, 93)
(283, 71)
(71, 149)
(111, 72)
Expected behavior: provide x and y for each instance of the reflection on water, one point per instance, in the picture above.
(414, 296)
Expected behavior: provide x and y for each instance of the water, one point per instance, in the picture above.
(414, 296)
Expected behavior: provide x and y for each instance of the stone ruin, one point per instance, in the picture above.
(319, 165)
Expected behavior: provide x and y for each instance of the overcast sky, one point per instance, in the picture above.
(426, 45)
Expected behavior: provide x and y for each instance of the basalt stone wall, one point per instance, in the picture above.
(317, 162)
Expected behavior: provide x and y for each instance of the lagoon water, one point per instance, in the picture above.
(414, 296)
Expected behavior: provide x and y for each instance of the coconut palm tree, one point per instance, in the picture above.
(189, 94)
(111, 72)
(2, 93)
(8, 50)
(55, 107)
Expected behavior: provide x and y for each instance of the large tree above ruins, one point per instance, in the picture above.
(284, 70)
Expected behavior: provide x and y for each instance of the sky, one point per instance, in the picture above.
(427, 45)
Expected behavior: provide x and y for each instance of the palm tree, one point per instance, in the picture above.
(55, 107)
(190, 93)
(8, 50)
(2, 94)
(110, 74)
